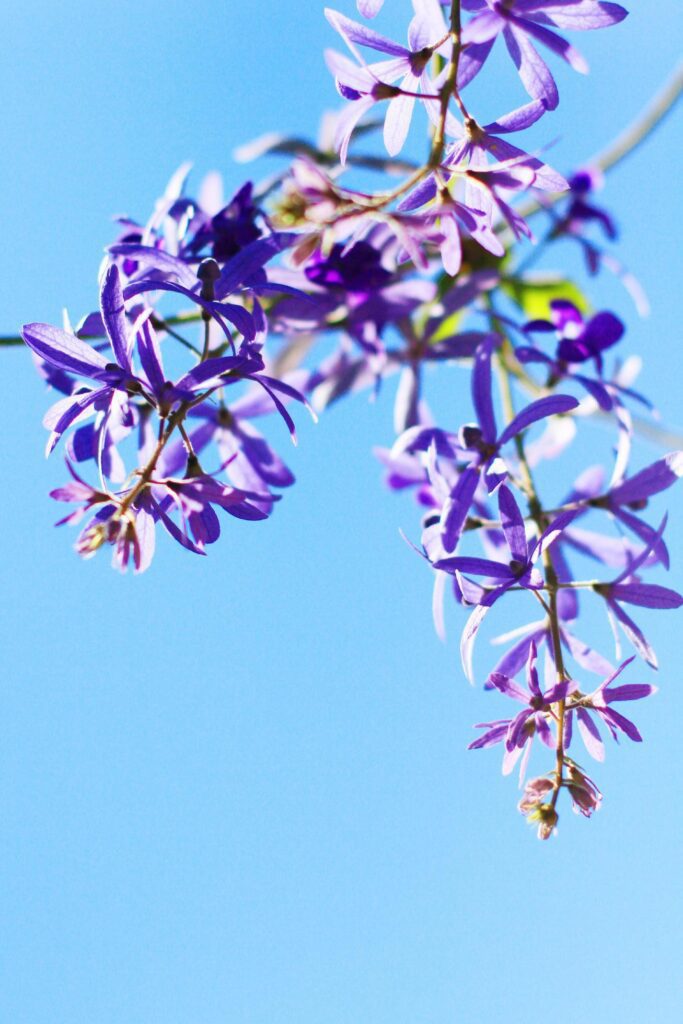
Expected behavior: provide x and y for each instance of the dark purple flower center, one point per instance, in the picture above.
(357, 270)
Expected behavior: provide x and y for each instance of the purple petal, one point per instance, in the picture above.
(481, 390)
(556, 44)
(590, 734)
(114, 316)
(65, 351)
(629, 691)
(646, 595)
(517, 119)
(512, 522)
(533, 71)
(456, 507)
(613, 717)
(488, 739)
(353, 32)
(552, 405)
(634, 633)
(475, 566)
(508, 687)
(651, 480)
(578, 15)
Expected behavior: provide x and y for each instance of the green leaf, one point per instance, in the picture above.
(534, 293)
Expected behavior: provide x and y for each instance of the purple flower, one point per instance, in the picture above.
(127, 525)
(188, 229)
(370, 83)
(518, 571)
(523, 22)
(118, 377)
(596, 705)
(580, 211)
(579, 341)
(249, 461)
(479, 444)
(193, 498)
(633, 494)
(627, 588)
(533, 721)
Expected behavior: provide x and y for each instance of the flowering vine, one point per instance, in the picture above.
(243, 298)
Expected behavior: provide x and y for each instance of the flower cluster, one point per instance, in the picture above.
(307, 289)
(118, 395)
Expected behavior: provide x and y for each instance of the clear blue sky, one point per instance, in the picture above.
(235, 790)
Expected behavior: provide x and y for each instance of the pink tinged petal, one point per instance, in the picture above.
(481, 390)
(369, 8)
(472, 59)
(646, 533)
(348, 73)
(579, 16)
(70, 413)
(514, 660)
(517, 120)
(438, 593)
(511, 757)
(65, 351)
(644, 555)
(611, 551)
(399, 114)
(552, 405)
(432, 13)
(508, 687)
(512, 522)
(533, 71)
(483, 28)
(469, 635)
(145, 530)
(556, 44)
(634, 634)
(353, 32)
(545, 177)
(114, 316)
(450, 249)
(552, 532)
(420, 33)
(584, 655)
(587, 485)
(152, 261)
(590, 734)
(347, 121)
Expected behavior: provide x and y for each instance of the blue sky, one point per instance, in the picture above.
(236, 789)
